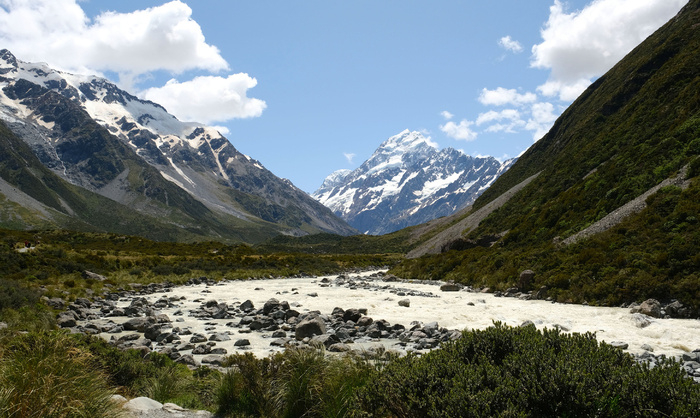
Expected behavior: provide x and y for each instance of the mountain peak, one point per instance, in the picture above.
(406, 181)
(406, 141)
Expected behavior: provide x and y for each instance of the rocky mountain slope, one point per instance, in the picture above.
(407, 181)
(604, 208)
(96, 136)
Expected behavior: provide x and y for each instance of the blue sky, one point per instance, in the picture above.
(309, 87)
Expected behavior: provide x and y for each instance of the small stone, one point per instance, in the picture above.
(405, 303)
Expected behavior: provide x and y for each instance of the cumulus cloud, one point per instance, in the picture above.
(208, 99)
(507, 120)
(447, 115)
(510, 44)
(502, 96)
(59, 32)
(459, 131)
(542, 117)
(581, 45)
(132, 45)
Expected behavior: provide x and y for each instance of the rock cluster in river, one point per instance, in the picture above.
(285, 326)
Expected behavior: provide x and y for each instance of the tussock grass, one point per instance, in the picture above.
(46, 375)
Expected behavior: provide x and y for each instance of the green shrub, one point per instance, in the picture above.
(503, 371)
(14, 296)
(47, 375)
(298, 382)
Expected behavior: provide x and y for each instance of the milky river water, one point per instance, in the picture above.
(452, 310)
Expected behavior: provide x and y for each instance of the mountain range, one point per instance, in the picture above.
(84, 154)
(407, 181)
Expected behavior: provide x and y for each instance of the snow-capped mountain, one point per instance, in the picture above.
(407, 181)
(99, 137)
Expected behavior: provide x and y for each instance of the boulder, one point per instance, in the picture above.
(93, 276)
(451, 287)
(641, 320)
(219, 337)
(243, 342)
(339, 348)
(406, 303)
(325, 340)
(56, 303)
(202, 349)
(247, 306)
(271, 305)
(198, 338)
(309, 327)
(187, 360)
(142, 404)
(525, 280)
(65, 320)
(352, 315)
(651, 307)
(213, 359)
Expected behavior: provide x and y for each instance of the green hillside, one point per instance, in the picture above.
(633, 128)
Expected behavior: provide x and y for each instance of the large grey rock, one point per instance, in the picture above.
(641, 320)
(451, 287)
(94, 276)
(352, 315)
(325, 340)
(309, 327)
(271, 305)
(142, 404)
(247, 306)
(139, 323)
(651, 307)
(213, 359)
(66, 321)
(219, 337)
(198, 338)
(187, 360)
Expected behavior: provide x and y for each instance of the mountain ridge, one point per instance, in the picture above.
(405, 182)
(92, 134)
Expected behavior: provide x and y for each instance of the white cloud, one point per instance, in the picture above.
(510, 44)
(581, 45)
(509, 120)
(59, 32)
(492, 115)
(542, 118)
(447, 115)
(349, 156)
(208, 99)
(502, 96)
(459, 131)
(133, 45)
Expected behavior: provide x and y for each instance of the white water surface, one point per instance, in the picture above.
(452, 310)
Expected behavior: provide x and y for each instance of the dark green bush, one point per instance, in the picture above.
(503, 371)
(298, 382)
(14, 296)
